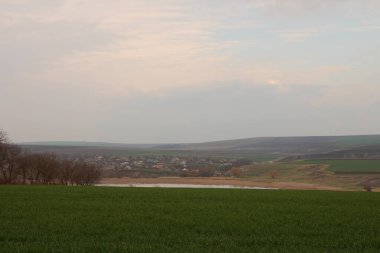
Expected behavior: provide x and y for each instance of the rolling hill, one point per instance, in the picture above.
(261, 146)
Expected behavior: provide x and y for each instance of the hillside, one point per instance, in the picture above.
(302, 144)
(87, 144)
(262, 146)
(361, 152)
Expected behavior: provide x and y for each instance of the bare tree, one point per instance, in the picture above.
(93, 173)
(17, 166)
(3, 141)
(85, 173)
(24, 163)
(273, 174)
(367, 187)
(33, 170)
(48, 168)
(66, 172)
(9, 160)
(3, 137)
(235, 172)
(206, 172)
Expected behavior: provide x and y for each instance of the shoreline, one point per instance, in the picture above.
(214, 182)
(193, 186)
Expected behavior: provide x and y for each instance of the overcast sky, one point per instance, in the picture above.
(148, 71)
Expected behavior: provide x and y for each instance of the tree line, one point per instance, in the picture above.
(18, 166)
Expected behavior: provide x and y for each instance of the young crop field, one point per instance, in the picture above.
(350, 166)
(98, 219)
(345, 141)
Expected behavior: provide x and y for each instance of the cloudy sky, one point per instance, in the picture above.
(146, 71)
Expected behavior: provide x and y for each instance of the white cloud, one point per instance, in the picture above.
(296, 36)
(70, 60)
(155, 47)
(365, 28)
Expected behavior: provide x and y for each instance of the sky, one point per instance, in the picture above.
(172, 71)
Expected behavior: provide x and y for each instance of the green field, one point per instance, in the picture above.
(347, 141)
(94, 219)
(350, 166)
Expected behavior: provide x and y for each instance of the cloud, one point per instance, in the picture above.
(149, 45)
(70, 58)
(301, 6)
(334, 69)
(351, 95)
(152, 47)
(296, 36)
(365, 28)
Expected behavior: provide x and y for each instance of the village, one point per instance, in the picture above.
(164, 165)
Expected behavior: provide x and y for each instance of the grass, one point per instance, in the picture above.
(346, 141)
(350, 166)
(264, 169)
(95, 219)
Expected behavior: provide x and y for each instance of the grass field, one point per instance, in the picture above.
(345, 141)
(95, 219)
(350, 166)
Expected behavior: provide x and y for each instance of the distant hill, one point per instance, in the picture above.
(362, 152)
(88, 144)
(303, 144)
(255, 147)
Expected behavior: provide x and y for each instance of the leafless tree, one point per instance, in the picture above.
(85, 173)
(9, 161)
(367, 187)
(66, 172)
(48, 165)
(18, 166)
(42, 168)
(273, 174)
(206, 172)
(235, 172)
(24, 163)
(3, 137)
(3, 141)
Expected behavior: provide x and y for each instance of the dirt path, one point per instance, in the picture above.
(221, 181)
